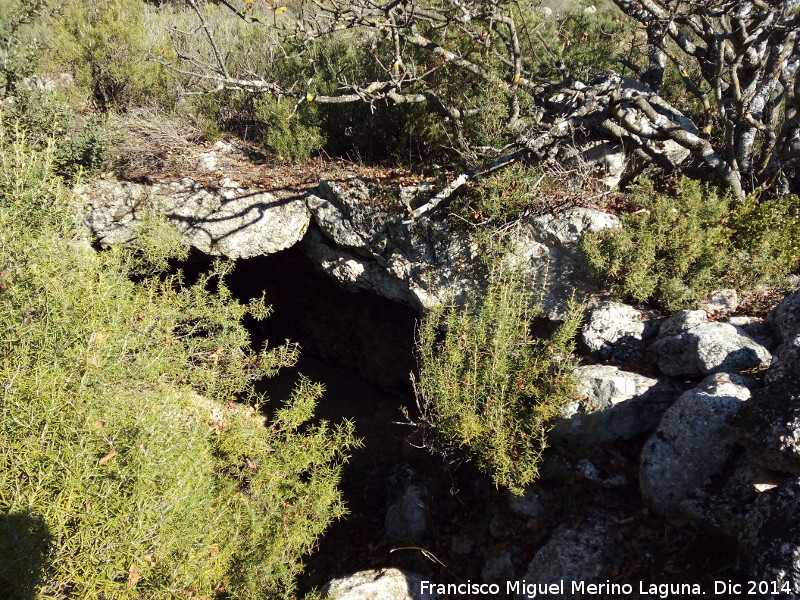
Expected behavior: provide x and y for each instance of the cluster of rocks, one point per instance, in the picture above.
(715, 396)
(722, 450)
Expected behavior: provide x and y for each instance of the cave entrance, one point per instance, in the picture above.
(361, 347)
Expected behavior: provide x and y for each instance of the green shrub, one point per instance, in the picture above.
(128, 466)
(674, 249)
(19, 50)
(768, 231)
(106, 46)
(486, 388)
(502, 196)
(290, 137)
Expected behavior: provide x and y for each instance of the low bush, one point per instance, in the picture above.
(673, 249)
(486, 387)
(106, 46)
(132, 464)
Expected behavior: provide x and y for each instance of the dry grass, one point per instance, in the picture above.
(147, 141)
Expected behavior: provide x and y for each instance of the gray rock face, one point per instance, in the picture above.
(709, 348)
(615, 404)
(755, 328)
(769, 427)
(379, 584)
(721, 508)
(229, 221)
(407, 519)
(692, 442)
(611, 323)
(681, 322)
(422, 263)
(785, 319)
(425, 262)
(721, 302)
(546, 247)
(769, 544)
(573, 555)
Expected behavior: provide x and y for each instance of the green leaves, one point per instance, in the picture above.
(674, 249)
(125, 459)
(487, 388)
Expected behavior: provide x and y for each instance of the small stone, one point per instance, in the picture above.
(720, 302)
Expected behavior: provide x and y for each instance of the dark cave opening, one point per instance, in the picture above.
(361, 347)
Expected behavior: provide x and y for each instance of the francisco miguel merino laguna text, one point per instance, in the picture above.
(538, 590)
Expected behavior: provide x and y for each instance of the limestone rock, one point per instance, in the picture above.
(682, 321)
(709, 348)
(612, 323)
(769, 544)
(425, 262)
(546, 248)
(378, 584)
(230, 222)
(721, 302)
(692, 442)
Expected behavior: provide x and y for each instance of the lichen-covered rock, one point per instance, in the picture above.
(682, 321)
(228, 221)
(692, 442)
(785, 319)
(769, 544)
(378, 584)
(721, 507)
(769, 427)
(615, 404)
(363, 246)
(612, 323)
(546, 248)
(407, 519)
(709, 348)
(425, 262)
(573, 555)
(720, 302)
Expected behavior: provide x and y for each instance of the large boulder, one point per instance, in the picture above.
(378, 584)
(692, 443)
(228, 221)
(769, 544)
(709, 348)
(681, 322)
